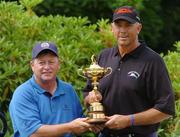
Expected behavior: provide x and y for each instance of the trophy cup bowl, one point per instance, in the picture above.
(95, 73)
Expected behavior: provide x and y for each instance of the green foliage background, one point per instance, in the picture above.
(77, 40)
(159, 17)
(171, 127)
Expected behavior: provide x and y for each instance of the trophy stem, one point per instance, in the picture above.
(95, 84)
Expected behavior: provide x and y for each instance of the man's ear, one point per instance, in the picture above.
(139, 27)
(32, 64)
(112, 30)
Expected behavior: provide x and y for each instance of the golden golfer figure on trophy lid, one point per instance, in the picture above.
(95, 73)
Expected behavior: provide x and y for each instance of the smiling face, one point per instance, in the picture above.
(45, 67)
(126, 33)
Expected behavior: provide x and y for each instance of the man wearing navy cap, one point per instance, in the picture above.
(137, 95)
(45, 106)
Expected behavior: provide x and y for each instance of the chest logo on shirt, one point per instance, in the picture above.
(133, 74)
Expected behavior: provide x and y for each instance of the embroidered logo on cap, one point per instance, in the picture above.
(123, 11)
(45, 45)
(133, 74)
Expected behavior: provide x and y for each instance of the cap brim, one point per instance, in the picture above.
(44, 50)
(130, 20)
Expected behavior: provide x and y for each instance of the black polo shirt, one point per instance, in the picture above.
(139, 81)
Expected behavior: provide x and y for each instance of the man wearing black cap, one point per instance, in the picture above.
(45, 106)
(137, 95)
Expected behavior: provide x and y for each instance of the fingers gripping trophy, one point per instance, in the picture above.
(95, 73)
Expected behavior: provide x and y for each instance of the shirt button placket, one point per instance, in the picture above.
(120, 63)
(53, 105)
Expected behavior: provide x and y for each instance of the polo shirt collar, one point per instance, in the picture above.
(135, 53)
(59, 90)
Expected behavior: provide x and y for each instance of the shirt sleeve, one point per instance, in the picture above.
(160, 88)
(24, 113)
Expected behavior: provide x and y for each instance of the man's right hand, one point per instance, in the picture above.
(79, 126)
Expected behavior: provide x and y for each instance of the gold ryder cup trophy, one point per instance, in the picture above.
(95, 73)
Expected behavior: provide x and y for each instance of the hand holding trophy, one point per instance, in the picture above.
(95, 73)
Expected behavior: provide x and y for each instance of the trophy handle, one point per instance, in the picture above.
(108, 72)
(80, 71)
(93, 59)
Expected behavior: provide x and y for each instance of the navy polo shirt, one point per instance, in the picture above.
(31, 107)
(139, 81)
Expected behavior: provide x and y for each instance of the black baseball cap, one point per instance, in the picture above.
(39, 47)
(127, 13)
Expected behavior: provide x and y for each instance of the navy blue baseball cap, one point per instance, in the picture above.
(127, 13)
(39, 47)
